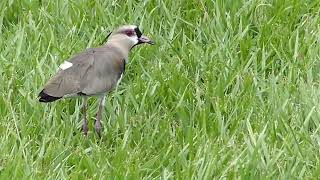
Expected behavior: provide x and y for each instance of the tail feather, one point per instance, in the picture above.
(44, 97)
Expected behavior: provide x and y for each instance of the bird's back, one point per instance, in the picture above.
(92, 72)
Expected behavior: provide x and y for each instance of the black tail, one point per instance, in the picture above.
(44, 97)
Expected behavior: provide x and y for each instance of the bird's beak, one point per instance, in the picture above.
(145, 39)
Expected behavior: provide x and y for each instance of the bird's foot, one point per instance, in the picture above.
(98, 127)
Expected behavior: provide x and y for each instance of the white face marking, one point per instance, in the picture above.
(134, 39)
(65, 65)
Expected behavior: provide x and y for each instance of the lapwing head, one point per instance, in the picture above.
(131, 35)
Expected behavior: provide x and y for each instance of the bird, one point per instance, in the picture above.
(94, 72)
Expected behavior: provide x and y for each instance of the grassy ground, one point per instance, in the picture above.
(230, 90)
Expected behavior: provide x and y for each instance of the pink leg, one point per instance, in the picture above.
(85, 121)
(97, 124)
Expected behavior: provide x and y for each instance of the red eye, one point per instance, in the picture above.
(129, 33)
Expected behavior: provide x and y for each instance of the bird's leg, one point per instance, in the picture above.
(85, 121)
(97, 124)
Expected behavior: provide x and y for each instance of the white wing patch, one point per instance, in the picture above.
(65, 65)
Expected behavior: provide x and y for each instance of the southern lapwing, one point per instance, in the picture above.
(94, 72)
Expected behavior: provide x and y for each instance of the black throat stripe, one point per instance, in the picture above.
(138, 32)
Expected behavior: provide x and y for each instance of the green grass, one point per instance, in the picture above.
(230, 90)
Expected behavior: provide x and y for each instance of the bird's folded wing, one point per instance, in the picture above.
(67, 80)
(95, 71)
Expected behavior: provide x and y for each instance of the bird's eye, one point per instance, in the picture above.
(129, 33)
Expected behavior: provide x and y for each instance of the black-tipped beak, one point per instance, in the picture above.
(145, 39)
